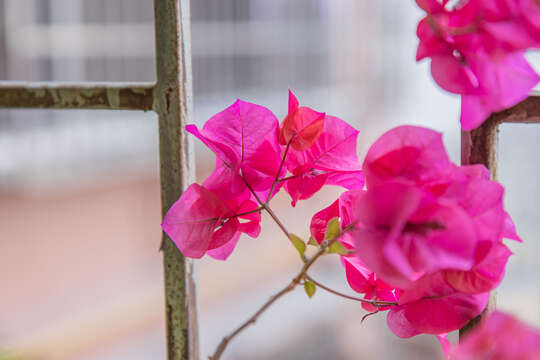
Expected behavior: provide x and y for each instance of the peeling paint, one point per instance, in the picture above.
(77, 96)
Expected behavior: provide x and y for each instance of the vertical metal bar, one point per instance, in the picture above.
(173, 104)
(479, 146)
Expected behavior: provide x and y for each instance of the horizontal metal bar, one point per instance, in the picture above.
(112, 96)
(527, 112)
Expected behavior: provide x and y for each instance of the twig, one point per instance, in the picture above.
(366, 301)
(276, 180)
(266, 207)
(291, 286)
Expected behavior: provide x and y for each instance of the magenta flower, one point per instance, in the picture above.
(435, 316)
(501, 336)
(342, 208)
(477, 51)
(301, 127)
(244, 139)
(330, 160)
(201, 223)
(426, 232)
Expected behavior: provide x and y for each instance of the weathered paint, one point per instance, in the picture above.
(173, 103)
(112, 96)
(480, 147)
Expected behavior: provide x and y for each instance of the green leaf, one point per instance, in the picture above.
(310, 288)
(332, 229)
(313, 242)
(337, 248)
(299, 244)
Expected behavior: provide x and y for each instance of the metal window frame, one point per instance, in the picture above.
(171, 97)
(480, 146)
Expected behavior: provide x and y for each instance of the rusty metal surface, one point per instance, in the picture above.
(173, 104)
(112, 96)
(479, 146)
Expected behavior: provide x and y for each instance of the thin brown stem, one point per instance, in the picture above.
(266, 207)
(276, 180)
(366, 301)
(291, 286)
(288, 178)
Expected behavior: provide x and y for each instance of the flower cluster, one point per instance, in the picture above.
(420, 236)
(426, 233)
(253, 153)
(477, 50)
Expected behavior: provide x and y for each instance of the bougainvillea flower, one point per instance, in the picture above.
(342, 208)
(330, 160)
(422, 214)
(364, 281)
(500, 336)
(200, 222)
(409, 153)
(435, 316)
(477, 51)
(504, 83)
(302, 126)
(404, 232)
(244, 139)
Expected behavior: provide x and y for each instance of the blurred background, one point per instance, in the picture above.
(80, 270)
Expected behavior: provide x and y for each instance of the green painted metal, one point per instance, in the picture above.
(174, 106)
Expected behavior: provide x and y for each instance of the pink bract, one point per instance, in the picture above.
(500, 336)
(435, 316)
(244, 139)
(199, 222)
(301, 127)
(477, 51)
(330, 160)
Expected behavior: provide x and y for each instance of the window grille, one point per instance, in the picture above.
(480, 147)
(171, 98)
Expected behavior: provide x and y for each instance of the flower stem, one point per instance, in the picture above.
(366, 301)
(290, 287)
(276, 180)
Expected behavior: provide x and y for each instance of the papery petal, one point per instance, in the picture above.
(483, 277)
(442, 315)
(398, 323)
(192, 219)
(351, 180)
(251, 228)
(507, 80)
(430, 285)
(445, 344)
(224, 234)
(304, 186)
(357, 275)
(243, 136)
(293, 102)
(301, 128)
(474, 111)
(331, 160)
(382, 213)
(334, 149)
(453, 75)
(431, 6)
(225, 181)
(445, 238)
(223, 252)
(408, 152)
(320, 221)
(509, 229)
